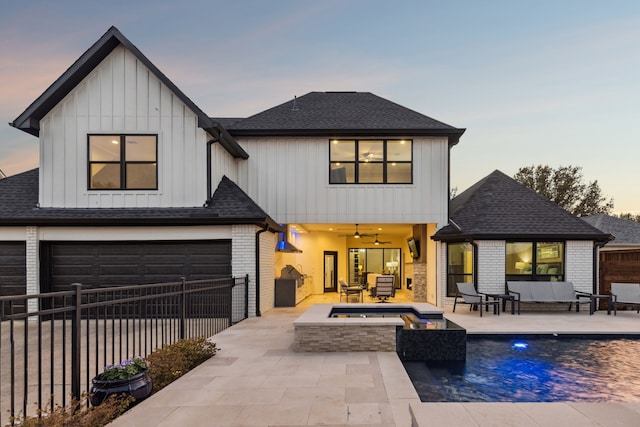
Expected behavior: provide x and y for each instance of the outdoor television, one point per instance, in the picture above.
(413, 247)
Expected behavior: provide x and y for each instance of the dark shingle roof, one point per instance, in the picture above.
(230, 205)
(626, 232)
(342, 113)
(498, 207)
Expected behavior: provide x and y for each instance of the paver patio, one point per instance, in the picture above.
(256, 380)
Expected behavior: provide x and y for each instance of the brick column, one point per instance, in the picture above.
(33, 266)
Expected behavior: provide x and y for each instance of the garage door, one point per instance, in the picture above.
(13, 270)
(104, 264)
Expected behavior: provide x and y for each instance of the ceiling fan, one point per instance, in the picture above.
(357, 234)
(378, 242)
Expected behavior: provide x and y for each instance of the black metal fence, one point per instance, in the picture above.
(50, 353)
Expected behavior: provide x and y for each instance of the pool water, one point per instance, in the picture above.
(534, 370)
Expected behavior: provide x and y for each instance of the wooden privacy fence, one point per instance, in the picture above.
(619, 267)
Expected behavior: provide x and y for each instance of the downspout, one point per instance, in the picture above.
(258, 233)
(209, 183)
(596, 263)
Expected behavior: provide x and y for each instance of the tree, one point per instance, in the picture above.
(629, 216)
(565, 187)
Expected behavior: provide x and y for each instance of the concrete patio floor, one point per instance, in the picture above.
(256, 380)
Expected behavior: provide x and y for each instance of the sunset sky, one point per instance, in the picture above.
(535, 82)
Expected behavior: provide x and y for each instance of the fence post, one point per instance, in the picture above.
(182, 307)
(76, 336)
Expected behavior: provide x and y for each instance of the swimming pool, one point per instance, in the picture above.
(534, 369)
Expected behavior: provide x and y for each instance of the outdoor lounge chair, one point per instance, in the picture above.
(625, 294)
(346, 291)
(468, 295)
(384, 287)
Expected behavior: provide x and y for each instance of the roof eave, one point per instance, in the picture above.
(227, 141)
(452, 135)
(140, 221)
(525, 236)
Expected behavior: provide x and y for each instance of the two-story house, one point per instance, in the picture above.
(137, 184)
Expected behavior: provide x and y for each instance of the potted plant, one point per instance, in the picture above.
(131, 377)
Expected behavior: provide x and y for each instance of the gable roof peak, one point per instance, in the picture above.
(29, 120)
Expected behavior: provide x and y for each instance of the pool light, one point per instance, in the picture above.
(520, 345)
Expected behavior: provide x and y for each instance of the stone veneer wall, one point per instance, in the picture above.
(321, 338)
(419, 282)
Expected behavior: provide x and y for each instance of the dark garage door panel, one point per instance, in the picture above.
(13, 272)
(103, 264)
(13, 268)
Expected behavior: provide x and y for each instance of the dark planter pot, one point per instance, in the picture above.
(138, 386)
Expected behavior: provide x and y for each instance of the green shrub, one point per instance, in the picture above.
(125, 369)
(78, 414)
(165, 365)
(174, 360)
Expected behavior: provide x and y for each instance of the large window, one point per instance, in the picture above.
(542, 261)
(459, 266)
(363, 161)
(381, 261)
(123, 162)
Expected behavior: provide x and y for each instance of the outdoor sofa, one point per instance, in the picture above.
(546, 292)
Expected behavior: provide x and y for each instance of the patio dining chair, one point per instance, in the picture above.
(467, 294)
(347, 291)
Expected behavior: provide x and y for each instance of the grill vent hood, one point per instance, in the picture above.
(283, 244)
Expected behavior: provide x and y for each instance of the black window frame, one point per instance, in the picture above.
(452, 277)
(385, 162)
(122, 162)
(535, 276)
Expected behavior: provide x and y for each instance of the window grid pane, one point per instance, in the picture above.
(342, 173)
(105, 175)
(342, 151)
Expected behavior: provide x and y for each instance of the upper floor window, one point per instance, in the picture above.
(123, 162)
(365, 161)
(535, 261)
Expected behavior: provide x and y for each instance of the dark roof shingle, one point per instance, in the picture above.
(342, 113)
(498, 207)
(230, 205)
(626, 232)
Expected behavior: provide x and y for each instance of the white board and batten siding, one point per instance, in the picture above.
(289, 178)
(121, 96)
